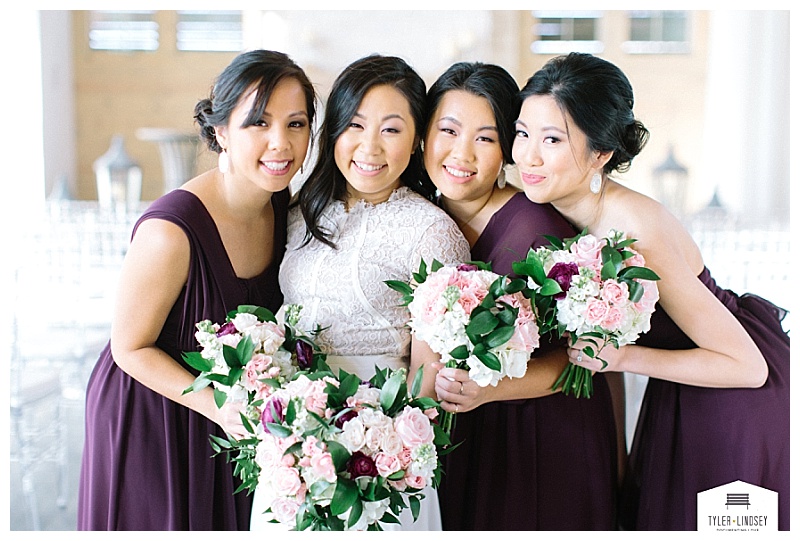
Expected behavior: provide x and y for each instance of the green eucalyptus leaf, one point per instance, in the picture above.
(515, 285)
(339, 454)
(460, 352)
(436, 265)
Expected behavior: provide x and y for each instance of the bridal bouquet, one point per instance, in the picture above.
(336, 453)
(246, 359)
(474, 318)
(595, 289)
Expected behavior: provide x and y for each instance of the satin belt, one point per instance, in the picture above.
(363, 366)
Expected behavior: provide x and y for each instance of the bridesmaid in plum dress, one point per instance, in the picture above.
(196, 253)
(716, 408)
(529, 458)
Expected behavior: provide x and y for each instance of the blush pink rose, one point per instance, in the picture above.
(596, 311)
(588, 251)
(322, 465)
(649, 299)
(285, 509)
(415, 481)
(387, 464)
(614, 292)
(286, 481)
(413, 427)
(613, 319)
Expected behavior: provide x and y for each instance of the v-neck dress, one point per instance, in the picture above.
(147, 462)
(546, 463)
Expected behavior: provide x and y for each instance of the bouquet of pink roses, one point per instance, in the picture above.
(246, 359)
(336, 453)
(476, 319)
(594, 289)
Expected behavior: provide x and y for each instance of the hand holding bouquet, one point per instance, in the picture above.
(336, 453)
(596, 290)
(475, 319)
(245, 360)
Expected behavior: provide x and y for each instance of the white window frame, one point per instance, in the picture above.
(121, 35)
(205, 37)
(659, 46)
(594, 46)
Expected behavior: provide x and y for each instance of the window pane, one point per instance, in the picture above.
(640, 29)
(583, 29)
(549, 29)
(123, 30)
(210, 31)
(674, 26)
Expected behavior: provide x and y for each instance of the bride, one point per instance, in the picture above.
(362, 217)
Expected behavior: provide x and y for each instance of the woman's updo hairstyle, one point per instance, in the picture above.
(259, 69)
(599, 99)
(488, 81)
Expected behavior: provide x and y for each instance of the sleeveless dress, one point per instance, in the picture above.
(689, 439)
(343, 289)
(147, 460)
(546, 463)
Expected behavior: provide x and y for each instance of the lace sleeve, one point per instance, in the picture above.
(443, 241)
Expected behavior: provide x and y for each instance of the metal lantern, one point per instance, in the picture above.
(119, 178)
(671, 179)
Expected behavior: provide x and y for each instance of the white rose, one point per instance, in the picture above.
(353, 435)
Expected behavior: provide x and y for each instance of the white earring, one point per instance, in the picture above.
(596, 183)
(501, 178)
(422, 145)
(224, 162)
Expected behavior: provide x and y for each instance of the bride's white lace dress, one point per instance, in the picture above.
(343, 289)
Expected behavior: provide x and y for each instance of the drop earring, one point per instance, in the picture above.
(501, 178)
(224, 162)
(596, 183)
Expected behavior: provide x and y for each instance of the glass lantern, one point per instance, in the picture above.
(119, 178)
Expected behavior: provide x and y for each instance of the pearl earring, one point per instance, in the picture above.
(596, 183)
(501, 178)
(224, 162)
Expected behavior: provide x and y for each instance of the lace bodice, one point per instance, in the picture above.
(343, 288)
